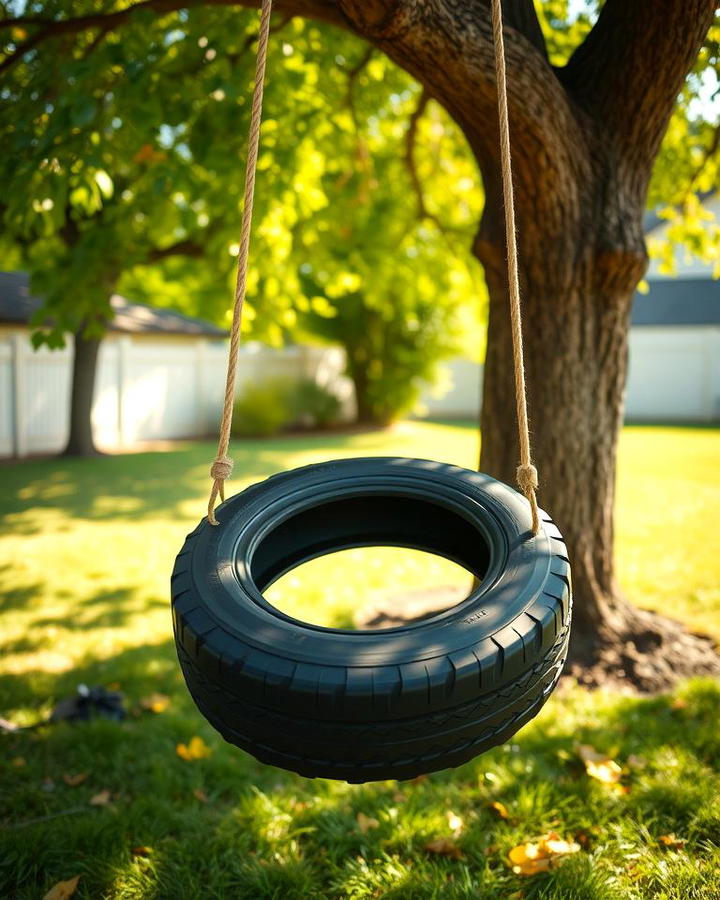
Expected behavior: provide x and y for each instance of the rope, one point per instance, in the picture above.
(221, 469)
(223, 465)
(526, 474)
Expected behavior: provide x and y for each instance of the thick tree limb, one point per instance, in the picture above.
(631, 66)
(187, 247)
(322, 10)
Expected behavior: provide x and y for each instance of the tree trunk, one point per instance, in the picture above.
(364, 412)
(576, 299)
(80, 441)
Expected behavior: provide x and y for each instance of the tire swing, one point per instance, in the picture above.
(392, 703)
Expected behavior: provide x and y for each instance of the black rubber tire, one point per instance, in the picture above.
(372, 705)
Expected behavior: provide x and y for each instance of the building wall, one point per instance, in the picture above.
(148, 388)
(674, 374)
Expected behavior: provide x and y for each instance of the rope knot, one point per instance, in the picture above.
(527, 478)
(221, 468)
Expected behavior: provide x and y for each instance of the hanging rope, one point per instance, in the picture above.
(223, 465)
(221, 468)
(526, 474)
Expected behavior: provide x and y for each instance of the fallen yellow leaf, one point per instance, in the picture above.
(500, 809)
(141, 851)
(63, 889)
(444, 847)
(156, 703)
(365, 823)
(599, 765)
(74, 780)
(532, 858)
(101, 799)
(679, 703)
(196, 749)
(674, 843)
(199, 794)
(607, 771)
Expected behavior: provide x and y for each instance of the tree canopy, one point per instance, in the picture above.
(124, 154)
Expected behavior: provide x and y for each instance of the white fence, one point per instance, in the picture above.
(146, 388)
(674, 377)
(154, 389)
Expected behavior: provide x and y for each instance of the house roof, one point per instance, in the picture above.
(18, 305)
(678, 301)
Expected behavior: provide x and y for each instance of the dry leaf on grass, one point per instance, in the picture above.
(74, 780)
(141, 851)
(679, 703)
(196, 749)
(533, 858)
(63, 889)
(365, 823)
(200, 795)
(156, 703)
(672, 842)
(101, 799)
(444, 847)
(599, 765)
(500, 808)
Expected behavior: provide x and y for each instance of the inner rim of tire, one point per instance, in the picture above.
(370, 520)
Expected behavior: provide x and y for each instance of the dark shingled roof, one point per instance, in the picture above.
(678, 301)
(17, 305)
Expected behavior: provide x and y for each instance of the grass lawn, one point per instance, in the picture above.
(86, 549)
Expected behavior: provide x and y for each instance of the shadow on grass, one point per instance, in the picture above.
(106, 609)
(142, 485)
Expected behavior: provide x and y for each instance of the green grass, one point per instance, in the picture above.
(85, 554)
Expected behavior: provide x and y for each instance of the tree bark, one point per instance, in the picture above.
(576, 316)
(85, 357)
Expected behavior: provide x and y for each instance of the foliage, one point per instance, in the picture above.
(210, 822)
(268, 406)
(391, 346)
(131, 175)
(263, 408)
(314, 404)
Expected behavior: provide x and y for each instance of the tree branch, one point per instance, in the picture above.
(187, 247)
(323, 10)
(630, 68)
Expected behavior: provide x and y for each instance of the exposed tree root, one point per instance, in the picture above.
(648, 655)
